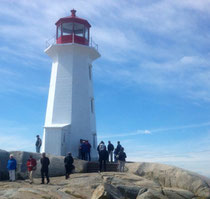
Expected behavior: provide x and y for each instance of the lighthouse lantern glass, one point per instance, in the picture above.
(79, 29)
(59, 31)
(86, 33)
(67, 28)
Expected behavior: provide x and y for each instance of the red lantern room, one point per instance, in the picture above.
(72, 30)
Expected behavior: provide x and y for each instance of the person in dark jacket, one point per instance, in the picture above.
(116, 151)
(88, 145)
(110, 150)
(121, 158)
(84, 150)
(103, 155)
(11, 166)
(68, 161)
(44, 168)
(38, 144)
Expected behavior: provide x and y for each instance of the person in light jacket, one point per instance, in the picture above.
(11, 166)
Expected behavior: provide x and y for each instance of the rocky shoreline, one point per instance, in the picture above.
(140, 181)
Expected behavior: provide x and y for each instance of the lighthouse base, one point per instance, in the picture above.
(55, 138)
(59, 140)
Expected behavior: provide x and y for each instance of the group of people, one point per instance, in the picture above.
(106, 154)
(32, 166)
(84, 150)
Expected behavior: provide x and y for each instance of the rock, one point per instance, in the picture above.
(130, 192)
(4, 156)
(91, 186)
(169, 176)
(106, 191)
(56, 167)
(152, 194)
(177, 193)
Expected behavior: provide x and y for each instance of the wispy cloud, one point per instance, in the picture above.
(152, 131)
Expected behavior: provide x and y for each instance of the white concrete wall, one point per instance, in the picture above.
(70, 94)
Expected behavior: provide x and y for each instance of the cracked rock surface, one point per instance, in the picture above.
(109, 185)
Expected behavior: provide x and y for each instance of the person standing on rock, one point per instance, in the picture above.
(121, 158)
(116, 151)
(11, 166)
(110, 150)
(103, 155)
(38, 144)
(68, 161)
(83, 148)
(88, 145)
(44, 168)
(31, 166)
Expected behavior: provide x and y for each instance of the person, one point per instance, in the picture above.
(31, 166)
(110, 151)
(121, 157)
(38, 144)
(116, 151)
(83, 149)
(11, 166)
(88, 146)
(80, 149)
(68, 161)
(103, 156)
(44, 167)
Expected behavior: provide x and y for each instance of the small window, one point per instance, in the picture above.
(92, 105)
(59, 31)
(67, 28)
(90, 71)
(79, 29)
(94, 140)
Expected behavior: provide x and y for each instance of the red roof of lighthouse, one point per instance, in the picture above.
(73, 18)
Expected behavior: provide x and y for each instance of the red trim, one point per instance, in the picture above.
(69, 39)
(73, 19)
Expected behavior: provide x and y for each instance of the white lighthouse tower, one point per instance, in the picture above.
(70, 114)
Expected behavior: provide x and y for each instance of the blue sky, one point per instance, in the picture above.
(151, 84)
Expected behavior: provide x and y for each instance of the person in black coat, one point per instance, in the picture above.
(44, 167)
(121, 158)
(68, 161)
(116, 151)
(103, 155)
(110, 150)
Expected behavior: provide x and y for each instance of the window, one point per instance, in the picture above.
(79, 29)
(94, 140)
(90, 71)
(67, 28)
(91, 104)
(59, 31)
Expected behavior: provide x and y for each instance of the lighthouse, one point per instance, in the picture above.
(70, 114)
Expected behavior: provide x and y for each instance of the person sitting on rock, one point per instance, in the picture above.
(44, 167)
(103, 155)
(31, 166)
(68, 161)
(11, 166)
(121, 158)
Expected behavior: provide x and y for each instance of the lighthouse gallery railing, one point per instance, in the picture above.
(52, 41)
